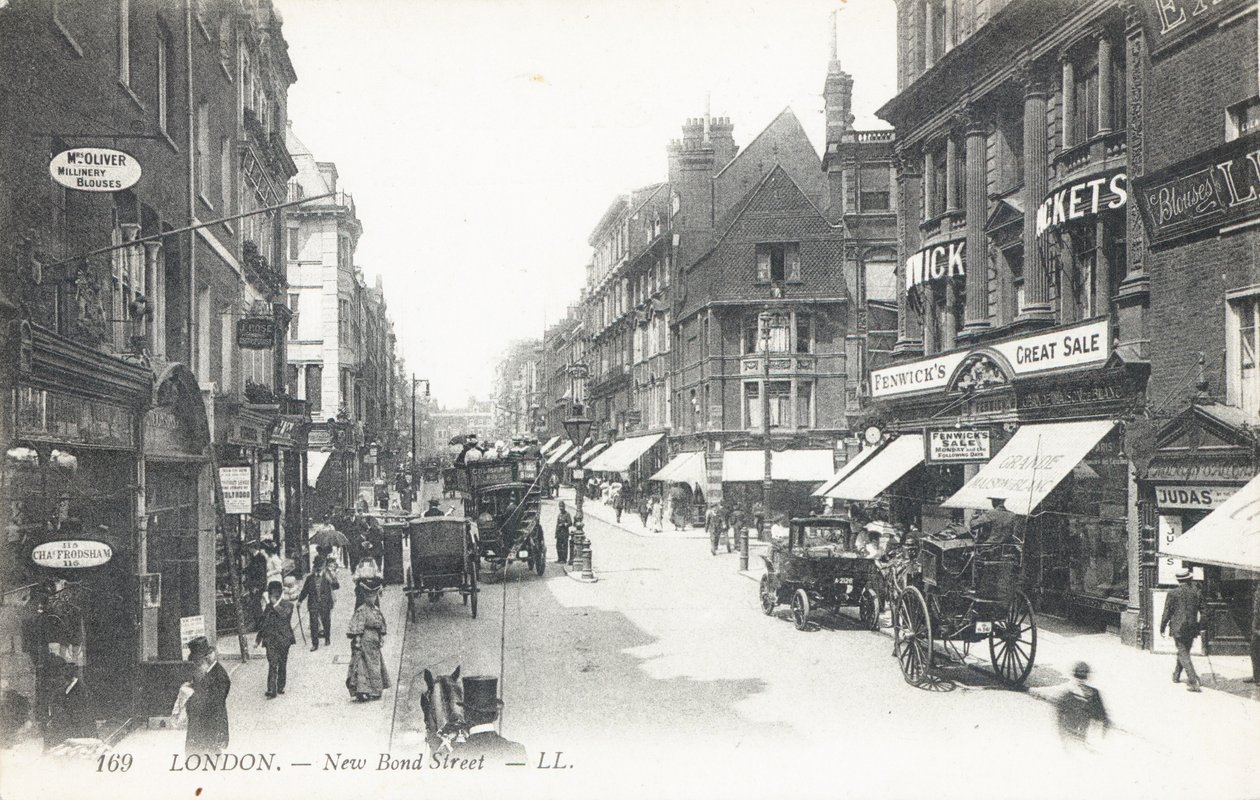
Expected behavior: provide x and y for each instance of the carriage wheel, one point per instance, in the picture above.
(800, 609)
(540, 558)
(870, 606)
(769, 597)
(1013, 642)
(472, 590)
(912, 636)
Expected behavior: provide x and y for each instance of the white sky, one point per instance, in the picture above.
(483, 139)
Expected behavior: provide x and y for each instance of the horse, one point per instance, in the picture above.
(443, 713)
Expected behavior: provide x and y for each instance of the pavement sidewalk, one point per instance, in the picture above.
(630, 522)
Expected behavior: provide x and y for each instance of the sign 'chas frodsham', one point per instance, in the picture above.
(94, 169)
(72, 554)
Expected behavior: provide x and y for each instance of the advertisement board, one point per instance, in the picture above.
(957, 446)
(1167, 567)
(256, 333)
(94, 169)
(238, 489)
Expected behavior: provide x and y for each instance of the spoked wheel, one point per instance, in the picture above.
(1013, 642)
(800, 609)
(769, 598)
(870, 606)
(540, 560)
(912, 636)
(472, 591)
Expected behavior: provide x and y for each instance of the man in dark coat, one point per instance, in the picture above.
(317, 591)
(276, 635)
(207, 707)
(255, 579)
(996, 525)
(433, 510)
(481, 708)
(1079, 708)
(1182, 613)
(563, 523)
(403, 487)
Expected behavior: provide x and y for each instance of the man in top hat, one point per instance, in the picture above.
(207, 707)
(433, 510)
(1182, 613)
(481, 708)
(275, 633)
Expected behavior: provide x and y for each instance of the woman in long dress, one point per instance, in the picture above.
(367, 676)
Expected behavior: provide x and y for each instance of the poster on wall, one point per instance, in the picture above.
(1162, 642)
(1170, 527)
(190, 628)
(238, 490)
(957, 446)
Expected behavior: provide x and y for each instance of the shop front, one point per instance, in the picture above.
(1204, 458)
(1037, 421)
(288, 454)
(71, 566)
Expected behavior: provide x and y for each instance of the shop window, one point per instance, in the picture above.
(1243, 378)
(779, 262)
(874, 188)
(1242, 118)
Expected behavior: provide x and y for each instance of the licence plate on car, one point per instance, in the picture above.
(847, 579)
(984, 627)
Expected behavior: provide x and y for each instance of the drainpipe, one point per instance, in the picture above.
(189, 328)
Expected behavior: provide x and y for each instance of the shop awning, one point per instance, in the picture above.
(561, 452)
(879, 471)
(546, 448)
(844, 472)
(578, 458)
(683, 468)
(621, 455)
(315, 462)
(802, 466)
(1033, 462)
(1228, 537)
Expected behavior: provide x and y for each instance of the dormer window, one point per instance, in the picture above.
(779, 262)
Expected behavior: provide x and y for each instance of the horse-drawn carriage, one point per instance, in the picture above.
(824, 562)
(964, 590)
(508, 525)
(444, 558)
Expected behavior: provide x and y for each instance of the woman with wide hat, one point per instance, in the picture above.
(481, 705)
(367, 677)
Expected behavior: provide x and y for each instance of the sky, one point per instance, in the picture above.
(483, 139)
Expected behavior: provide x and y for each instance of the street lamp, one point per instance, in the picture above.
(414, 381)
(770, 320)
(578, 426)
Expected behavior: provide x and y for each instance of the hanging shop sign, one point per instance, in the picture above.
(1081, 200)
(1084, 345)
(1204, 193)
(256, 333)
(1193, 496)
(238, 489)
(936, 263)
(1167, 22)
(94, 169)
(957, 446)
(72, 554)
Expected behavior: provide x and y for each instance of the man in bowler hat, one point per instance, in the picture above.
(1182, 614)
(433, 510)
(481, 708)
(275, 634)
(207, 707)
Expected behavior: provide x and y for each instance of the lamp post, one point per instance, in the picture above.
(578, 427)
(414, 381)
(769, 319)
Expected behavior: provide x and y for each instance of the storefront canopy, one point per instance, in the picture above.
(852, 464)
(683, 468)
(578, 458)
(802, 466)
(1228, 537)
(880, 470)
(315, 462)
(1033, 462)
(546, 448)
(621, 455)
(561, 452)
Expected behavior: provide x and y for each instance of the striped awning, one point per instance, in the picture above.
(560, 452)
(578, 458)
(622, 454)
(546, 448)
(881, 470)
(845, 471)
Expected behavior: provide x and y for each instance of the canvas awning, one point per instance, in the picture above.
(844, 472)
(1227, 537)
(316, 460)
(546, 448)
(880, 470)
(802, 466)
(683, 468)
(622, 454)
(1033, 462)
(560, 452)
(578, 458)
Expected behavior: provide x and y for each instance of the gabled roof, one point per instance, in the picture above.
(1207, 425)
(785, 121)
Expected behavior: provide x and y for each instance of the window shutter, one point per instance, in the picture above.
(763, 265)
(793, 256)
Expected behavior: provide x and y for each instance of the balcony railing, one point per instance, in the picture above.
(1100, 153)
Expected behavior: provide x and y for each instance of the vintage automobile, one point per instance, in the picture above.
(823, 563)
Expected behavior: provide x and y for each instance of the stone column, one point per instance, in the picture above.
(1105, 99)
(1036, 164)
(976, 317)
(951, 174)
(1069, 88)
(929, 183)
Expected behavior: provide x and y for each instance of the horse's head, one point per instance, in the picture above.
(443, 715)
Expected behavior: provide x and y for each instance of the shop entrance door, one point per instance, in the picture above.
(171, 503)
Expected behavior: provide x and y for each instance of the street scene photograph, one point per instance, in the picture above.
(637, 399)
